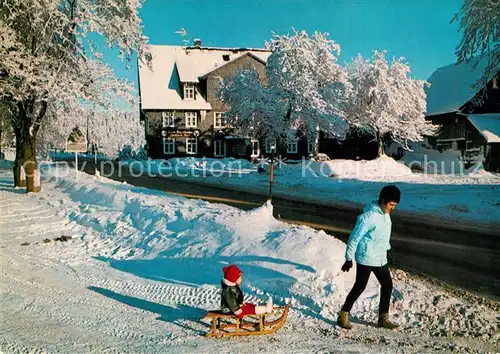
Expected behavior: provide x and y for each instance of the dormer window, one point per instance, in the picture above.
(188, 91)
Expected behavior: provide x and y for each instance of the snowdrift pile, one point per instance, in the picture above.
(430, 161)
(383, 166)
(187, 242)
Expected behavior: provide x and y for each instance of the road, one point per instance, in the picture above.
(466, 257)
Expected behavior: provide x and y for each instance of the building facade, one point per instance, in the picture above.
(181, 109)
(469, 117)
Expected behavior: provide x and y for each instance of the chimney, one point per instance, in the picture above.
(197, 42)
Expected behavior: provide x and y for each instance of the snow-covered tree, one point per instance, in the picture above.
(109, 131)
(479, 22)
(304, 92)
(49, 57)
(385, 102)
(53, 132)
(254, 108)
(112, 132)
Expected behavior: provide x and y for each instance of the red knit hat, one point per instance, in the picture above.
(231, 273)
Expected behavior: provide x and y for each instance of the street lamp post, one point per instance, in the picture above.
(271, 173)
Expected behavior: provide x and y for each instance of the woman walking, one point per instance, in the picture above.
(368, 245)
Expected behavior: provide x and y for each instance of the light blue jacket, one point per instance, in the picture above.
(370, 240)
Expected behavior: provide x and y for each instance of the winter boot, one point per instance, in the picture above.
(269, 305)
(343, 320)
(261, 310)
(383, 321)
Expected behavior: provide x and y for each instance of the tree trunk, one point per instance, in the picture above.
(18, 168)
(30, 165)
(380, 149)
(380, 143)
(26, 172)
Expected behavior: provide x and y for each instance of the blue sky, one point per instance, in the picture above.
(418, 30)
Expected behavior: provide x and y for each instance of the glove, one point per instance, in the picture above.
(347, 265)
(390, 258)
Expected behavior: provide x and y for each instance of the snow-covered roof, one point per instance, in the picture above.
(452, 86)
(488, 125)
(261, 58)
(171, 65)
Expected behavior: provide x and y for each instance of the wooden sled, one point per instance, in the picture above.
(227, 324)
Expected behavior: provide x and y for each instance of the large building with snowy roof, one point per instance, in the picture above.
(179, 102)
(469, 117)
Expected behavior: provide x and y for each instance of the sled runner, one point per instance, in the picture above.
(227, 324)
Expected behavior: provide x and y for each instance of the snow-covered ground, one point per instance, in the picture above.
(143, 266)
(472, 196)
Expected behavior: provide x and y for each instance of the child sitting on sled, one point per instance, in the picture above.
(232, 296)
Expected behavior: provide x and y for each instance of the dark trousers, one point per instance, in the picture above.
(362, 275)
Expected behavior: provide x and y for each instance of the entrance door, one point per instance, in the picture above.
(219, 148)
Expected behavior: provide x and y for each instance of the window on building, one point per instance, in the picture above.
(219, 120)
(191, 121)
(191, 146)
(188, 91)
(443, 145)
(310, 146)
(269, 144)
(219, 148)
(168, 119)
(255, 148)
(292, 147)
(168, 146)
(239, 149)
